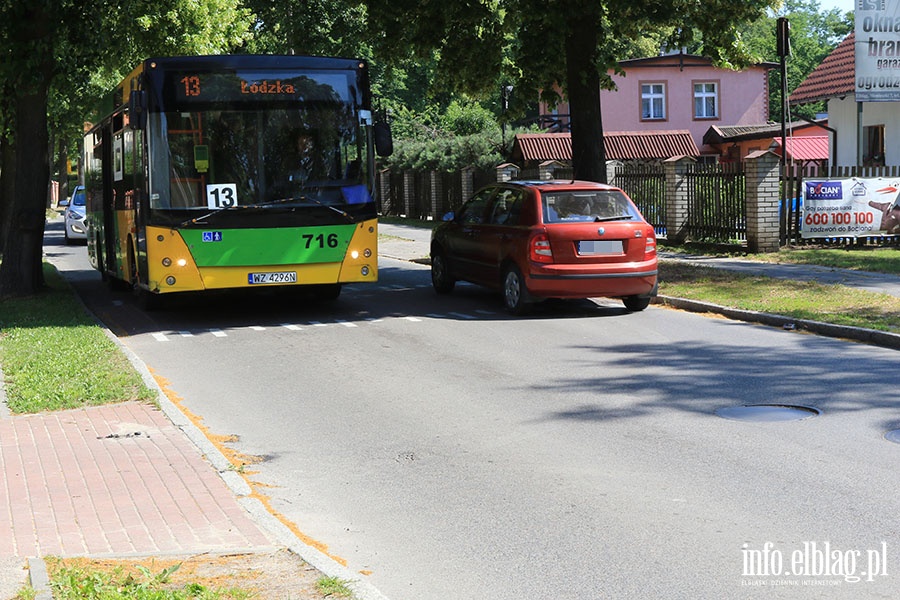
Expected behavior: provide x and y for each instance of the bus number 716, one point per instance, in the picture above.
(321, 240)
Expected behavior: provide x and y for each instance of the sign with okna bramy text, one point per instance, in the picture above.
(850, 207)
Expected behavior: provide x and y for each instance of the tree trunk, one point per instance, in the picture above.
(7, 185)
(21, 271)
(62, 166)
(588, 152)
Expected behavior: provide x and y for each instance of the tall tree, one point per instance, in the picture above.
(814, 34)
(60, 43)
(558, 47)
(313, 27)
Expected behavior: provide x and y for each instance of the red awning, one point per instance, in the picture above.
(805, 147)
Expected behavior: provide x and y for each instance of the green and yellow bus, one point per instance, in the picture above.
(236, 171)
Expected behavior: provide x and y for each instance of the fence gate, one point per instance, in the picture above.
(717, 203)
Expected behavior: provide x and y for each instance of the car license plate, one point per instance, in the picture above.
(600, 247)
(273, 277)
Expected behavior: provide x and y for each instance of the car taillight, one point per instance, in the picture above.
(540, 249)
(650, 249)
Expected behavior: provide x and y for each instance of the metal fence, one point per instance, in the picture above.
(717, 204)
(426, 194)
(645, 183)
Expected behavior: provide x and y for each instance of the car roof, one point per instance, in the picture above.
(549, 185)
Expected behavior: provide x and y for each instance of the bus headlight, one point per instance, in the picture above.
(167, 262)
(170, 280)
(365, 271)
(367, 253)
(354, 254)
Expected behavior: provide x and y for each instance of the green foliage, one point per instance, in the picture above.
(814, 34)
(467, 119)
(313, 27)
(446, 153)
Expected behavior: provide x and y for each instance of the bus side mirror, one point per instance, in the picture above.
(384, 141)
(137, 109)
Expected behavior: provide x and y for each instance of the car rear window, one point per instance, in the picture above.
(586, 205)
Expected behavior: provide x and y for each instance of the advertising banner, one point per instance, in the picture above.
(850, 207)
(877, 50)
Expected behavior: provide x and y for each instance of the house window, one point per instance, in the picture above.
(653, 101)
(706, 100)
(873, 146)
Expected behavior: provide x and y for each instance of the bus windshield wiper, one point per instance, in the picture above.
(344, 214)
(196, 220)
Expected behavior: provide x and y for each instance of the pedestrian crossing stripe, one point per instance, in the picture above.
(220, 333)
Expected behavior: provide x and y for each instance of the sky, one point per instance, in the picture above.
(842, 5)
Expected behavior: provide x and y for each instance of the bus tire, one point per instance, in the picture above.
(327, 292)
(147, 300)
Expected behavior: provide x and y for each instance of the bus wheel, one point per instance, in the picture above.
(147, 300)
(328, 292)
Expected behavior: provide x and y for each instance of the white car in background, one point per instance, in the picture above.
(76, 228)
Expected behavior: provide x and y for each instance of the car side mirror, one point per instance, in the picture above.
(449, 216)
(384, 141)
(137, 109)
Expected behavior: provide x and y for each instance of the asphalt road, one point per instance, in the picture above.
(447, 450)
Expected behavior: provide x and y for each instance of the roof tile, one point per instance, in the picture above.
(620, 145)
(833, 77)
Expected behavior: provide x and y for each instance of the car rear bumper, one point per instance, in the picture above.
(565, 281)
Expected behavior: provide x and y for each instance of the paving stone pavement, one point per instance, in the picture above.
(109, 481)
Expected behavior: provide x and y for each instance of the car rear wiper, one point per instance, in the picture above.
(616, 218)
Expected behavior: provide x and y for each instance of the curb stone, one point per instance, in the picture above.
(859, 334)
(38, 578)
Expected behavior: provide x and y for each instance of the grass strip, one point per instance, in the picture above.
(828, 303)
(56, 357)
(857, 258)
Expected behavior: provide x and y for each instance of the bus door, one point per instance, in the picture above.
(109, 205)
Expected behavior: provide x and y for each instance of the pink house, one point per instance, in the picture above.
(680, 92)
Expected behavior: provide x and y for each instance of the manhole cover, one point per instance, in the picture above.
(893, 436)
(767, 413)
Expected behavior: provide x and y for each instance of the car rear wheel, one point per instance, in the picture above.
(515, 295)
(636, 303)
(440, 274)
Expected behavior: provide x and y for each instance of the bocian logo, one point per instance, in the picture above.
(824, 190)
(811, 564)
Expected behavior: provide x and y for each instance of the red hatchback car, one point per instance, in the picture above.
(548, 239)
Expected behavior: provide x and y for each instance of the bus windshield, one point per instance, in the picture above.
(229, 142)
(218, 159)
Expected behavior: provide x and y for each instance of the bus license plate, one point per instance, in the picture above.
(274, 277)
